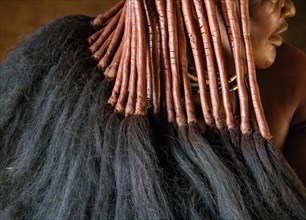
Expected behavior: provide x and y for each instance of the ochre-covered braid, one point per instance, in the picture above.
(101, 19)
(226, 21)
(120, 105)
(130, 107)
(111, 70)
(255, 94)
(141, 102)
(174, 61)
(161, 10)
(114, 42)
(155, 58)
(238, 59)
(110, 27)
(196, 46)
(149, 59)
(210, 59)
(103, 48)
(216, 39)
(150, 65)
(117, 86)
(183, 60)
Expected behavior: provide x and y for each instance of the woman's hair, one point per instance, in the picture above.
(98, 120)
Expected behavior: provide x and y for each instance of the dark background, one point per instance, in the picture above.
(19, 18)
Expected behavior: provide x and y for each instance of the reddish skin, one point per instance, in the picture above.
(283, 94)
(282, 86)
(281, 75)
(268, 19)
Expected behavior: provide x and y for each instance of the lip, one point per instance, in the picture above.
(276, 38)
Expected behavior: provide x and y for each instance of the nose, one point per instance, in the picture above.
(288, 9)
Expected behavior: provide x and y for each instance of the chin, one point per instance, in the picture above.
(265, 58)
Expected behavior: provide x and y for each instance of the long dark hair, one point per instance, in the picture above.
(78, 142)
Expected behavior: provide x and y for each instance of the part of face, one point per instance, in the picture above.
(267, 22)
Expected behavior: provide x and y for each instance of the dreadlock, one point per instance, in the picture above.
(99, 120)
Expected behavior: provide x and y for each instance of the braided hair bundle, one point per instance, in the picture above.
(117, 131)
(250, 151)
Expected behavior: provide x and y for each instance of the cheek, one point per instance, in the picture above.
(264, 55)
(263, 51)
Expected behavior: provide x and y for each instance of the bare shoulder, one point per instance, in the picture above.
(283, 92)
(292, 66)
(288, 49)
(292, 63)
(286, 104)
(285, 80)
(293, 59)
